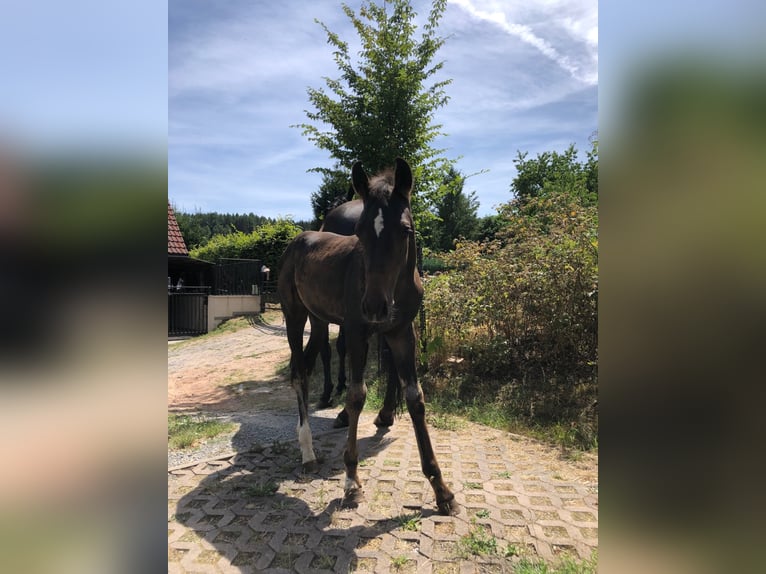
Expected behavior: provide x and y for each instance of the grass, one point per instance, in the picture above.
(567, 565)
(445, 421)
(478, 542)
(448, 412)
(185, 431)
(445, 412)
(261, 489)
(410, 522)
(398, 562)
(229, 326)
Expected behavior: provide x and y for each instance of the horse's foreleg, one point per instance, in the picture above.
(403, 357)
(355, 398)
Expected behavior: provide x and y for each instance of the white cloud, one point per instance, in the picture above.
(565, 32)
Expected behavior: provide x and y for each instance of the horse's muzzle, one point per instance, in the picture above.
(375, 311)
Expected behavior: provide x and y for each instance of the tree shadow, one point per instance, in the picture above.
(258, 511)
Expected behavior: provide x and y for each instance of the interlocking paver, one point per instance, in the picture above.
(256, 511)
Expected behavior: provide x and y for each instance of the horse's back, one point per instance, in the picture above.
(314, 270)
(342, 220)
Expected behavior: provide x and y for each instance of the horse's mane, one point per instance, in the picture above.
(382, 184)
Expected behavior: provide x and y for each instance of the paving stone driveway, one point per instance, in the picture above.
(255, 511)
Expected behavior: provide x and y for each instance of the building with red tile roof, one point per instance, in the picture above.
(176, 243)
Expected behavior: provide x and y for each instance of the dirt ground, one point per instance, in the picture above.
(239, 368)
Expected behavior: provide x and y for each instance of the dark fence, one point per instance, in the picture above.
(269, 295)
(238, 277)
(187, 311)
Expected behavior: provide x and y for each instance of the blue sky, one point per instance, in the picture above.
(525, 77)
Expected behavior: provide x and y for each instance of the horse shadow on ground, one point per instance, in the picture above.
(257, 511)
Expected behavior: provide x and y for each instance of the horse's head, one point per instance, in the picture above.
(386, 233)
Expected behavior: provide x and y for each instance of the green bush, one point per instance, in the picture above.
(266, 243)
(516, 317)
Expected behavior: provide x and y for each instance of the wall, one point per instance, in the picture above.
(222, 307)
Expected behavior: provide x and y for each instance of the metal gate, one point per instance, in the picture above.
(238, 277)
(187, 313)
(269, 295)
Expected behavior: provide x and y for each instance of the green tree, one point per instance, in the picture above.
(333, 190)
(561, 171)
(195, 233)
(456, 212)
(381, 106)
(488, 226)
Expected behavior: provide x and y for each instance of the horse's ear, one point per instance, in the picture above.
(403, 178)
(359, 180)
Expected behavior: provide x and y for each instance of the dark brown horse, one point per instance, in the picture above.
(367, 283)
(341, 220)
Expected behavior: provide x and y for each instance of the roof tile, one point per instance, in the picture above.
(176, 244)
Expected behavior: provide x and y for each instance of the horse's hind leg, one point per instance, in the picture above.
(296, 321)
(392, 399)
(402, 346)
(340, 346)
(319, 342)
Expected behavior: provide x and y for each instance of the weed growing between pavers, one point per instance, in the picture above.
(478, 542)
(567, 565)
(410, 522)
(261, 489)
(323, 562)
(403, 564)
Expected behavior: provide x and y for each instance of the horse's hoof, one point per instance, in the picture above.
(324, 403)
(448, 507)
(311, 467)
(383, 421)
(352, 498)
(341, 421)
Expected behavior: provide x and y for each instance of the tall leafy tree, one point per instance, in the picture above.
(334, 190)
(381, 106)
(558, 172)
(457, 213)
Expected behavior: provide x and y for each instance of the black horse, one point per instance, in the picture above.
(368, 283)
(341, 220)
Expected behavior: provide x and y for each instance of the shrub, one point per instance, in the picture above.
(516, 316)
(266, 243)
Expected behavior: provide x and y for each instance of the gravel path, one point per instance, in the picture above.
(238, 374)
(253, 431)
